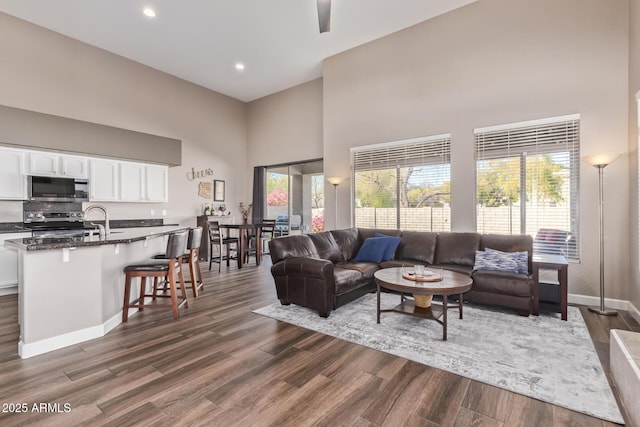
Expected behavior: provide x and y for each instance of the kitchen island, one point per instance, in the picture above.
(70, 289)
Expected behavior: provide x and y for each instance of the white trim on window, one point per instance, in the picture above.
(530, 182)
(528, 123)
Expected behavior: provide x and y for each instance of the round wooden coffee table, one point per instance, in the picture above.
(451, 284)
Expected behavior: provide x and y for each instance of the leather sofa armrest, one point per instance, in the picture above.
(304, 266)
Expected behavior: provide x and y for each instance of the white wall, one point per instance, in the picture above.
(489, 63)
(46, 72)
(286, 126)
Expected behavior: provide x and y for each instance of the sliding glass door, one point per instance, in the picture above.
(294, 195)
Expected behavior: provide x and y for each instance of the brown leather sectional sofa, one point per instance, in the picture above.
(318, 270)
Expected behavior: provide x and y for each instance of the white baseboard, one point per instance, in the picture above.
(116, 320)
(634, 312)
(54, 343)
(112, 323)
(617, 304)
(9, 290)
(76, 337)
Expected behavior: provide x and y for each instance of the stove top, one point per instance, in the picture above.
(55, 218)
(46, 217)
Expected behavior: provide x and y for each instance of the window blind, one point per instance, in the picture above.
(403, 185)
(527, 182)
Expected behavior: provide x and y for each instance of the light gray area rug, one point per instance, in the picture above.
(538, 356)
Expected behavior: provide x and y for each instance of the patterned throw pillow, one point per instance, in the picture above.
(521, 258)
(495, 261)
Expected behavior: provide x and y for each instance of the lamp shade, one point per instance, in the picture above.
(334, 180)
(602, 159)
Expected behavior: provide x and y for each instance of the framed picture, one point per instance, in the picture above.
(218, 190)
(204, 189)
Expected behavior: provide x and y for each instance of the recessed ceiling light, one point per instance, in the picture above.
(149, 12)
(239, 66)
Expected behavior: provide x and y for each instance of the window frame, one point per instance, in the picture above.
(414, 152)
(532, 139)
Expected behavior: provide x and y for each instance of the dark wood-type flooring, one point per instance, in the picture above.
(220, 364)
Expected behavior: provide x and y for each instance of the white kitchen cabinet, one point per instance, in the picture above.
(9, 263)
(104, 180)
(53, 164)
(73, 166)
(43, 163)
(157, 182)
(109, 180)
(13, 180)
(132, 182)
(140, 182)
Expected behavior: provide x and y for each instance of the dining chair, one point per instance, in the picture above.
(267, 232)
(216, 239)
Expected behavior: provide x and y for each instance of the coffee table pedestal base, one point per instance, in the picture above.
(423, 301)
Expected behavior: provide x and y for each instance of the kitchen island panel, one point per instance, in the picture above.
(60, 297)
(72, 293)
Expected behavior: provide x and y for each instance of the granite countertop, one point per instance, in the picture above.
(132, 223)
(18, 227)
(116, 236)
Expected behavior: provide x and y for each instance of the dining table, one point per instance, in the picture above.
(244, 233)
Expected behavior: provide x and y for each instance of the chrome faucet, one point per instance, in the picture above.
(104, 231)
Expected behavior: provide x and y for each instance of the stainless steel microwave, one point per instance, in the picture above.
(54, 189)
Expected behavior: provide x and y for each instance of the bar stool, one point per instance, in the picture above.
(159, 269)
(191, 258)
(216, 239)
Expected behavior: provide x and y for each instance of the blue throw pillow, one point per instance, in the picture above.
(392, 244)
(495, 261)
(521, 258)
(372, 250)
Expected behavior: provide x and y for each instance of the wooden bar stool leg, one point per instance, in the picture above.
(198, 270)
(143, 287)
(174, 294)
(182, 286)
(127, 296)
(194, 278)
(155, 287)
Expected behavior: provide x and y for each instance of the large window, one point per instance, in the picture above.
(403, 185)
(527, 182)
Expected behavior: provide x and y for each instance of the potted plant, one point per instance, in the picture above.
(245, 210)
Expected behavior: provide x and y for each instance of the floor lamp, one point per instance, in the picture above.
(335, 181)
(601, 161)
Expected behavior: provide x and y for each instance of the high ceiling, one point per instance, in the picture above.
(200, 41)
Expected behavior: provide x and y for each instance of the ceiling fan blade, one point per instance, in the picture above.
(324, 15)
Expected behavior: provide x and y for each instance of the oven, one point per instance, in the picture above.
(54, 219)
